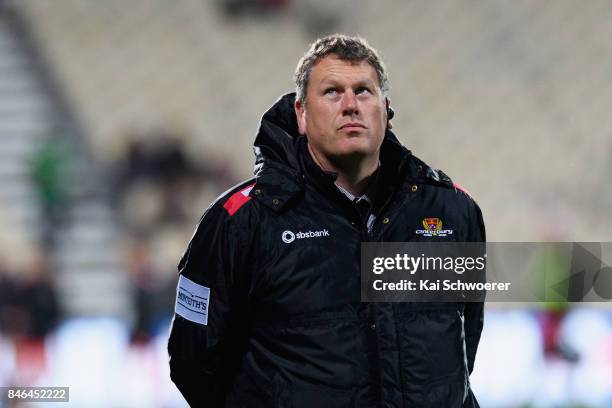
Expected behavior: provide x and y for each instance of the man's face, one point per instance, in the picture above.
(345, 115)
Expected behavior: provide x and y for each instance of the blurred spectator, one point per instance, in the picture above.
(49, 169)
(29, 312)
(152, 294)
(28, 302)
(550, 281)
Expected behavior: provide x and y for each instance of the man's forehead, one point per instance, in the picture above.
(333, 69)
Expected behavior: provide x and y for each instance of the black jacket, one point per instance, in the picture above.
(285, 327)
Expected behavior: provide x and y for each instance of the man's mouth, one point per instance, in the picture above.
(352, 126)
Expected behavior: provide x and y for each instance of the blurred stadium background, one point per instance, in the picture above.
(121, 120)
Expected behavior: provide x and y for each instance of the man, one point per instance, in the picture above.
(268, 309)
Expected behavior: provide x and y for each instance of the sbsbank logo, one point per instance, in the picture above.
(289, 236)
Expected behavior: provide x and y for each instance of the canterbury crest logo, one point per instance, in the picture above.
(289, 236)
(433, 228)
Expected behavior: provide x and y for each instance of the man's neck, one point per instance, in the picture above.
(353, 175)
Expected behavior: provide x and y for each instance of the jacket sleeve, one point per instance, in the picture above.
(206, 338)
(474, 311)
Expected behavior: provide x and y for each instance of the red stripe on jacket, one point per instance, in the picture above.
(458, 187)
(237, 200)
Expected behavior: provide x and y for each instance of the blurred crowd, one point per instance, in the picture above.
(159, 192)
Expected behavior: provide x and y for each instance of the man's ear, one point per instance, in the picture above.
(300, 115)
(390, 113)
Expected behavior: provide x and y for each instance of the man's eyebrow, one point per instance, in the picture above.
(335, 81)
(331, 80)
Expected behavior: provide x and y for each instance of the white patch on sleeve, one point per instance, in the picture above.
(247, 191)
(192, 301)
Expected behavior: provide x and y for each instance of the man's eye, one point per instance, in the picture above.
(330, 91)
(361, 89)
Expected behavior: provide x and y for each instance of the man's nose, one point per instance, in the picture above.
(349, 103)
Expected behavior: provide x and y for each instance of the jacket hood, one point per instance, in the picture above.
(277, 136)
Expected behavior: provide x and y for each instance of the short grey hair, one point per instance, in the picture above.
(346, 48)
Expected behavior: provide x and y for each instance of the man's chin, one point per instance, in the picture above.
(350, 155)
(356, 148)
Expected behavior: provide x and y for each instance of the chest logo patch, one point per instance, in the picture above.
(290, 236)
(433, 228)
